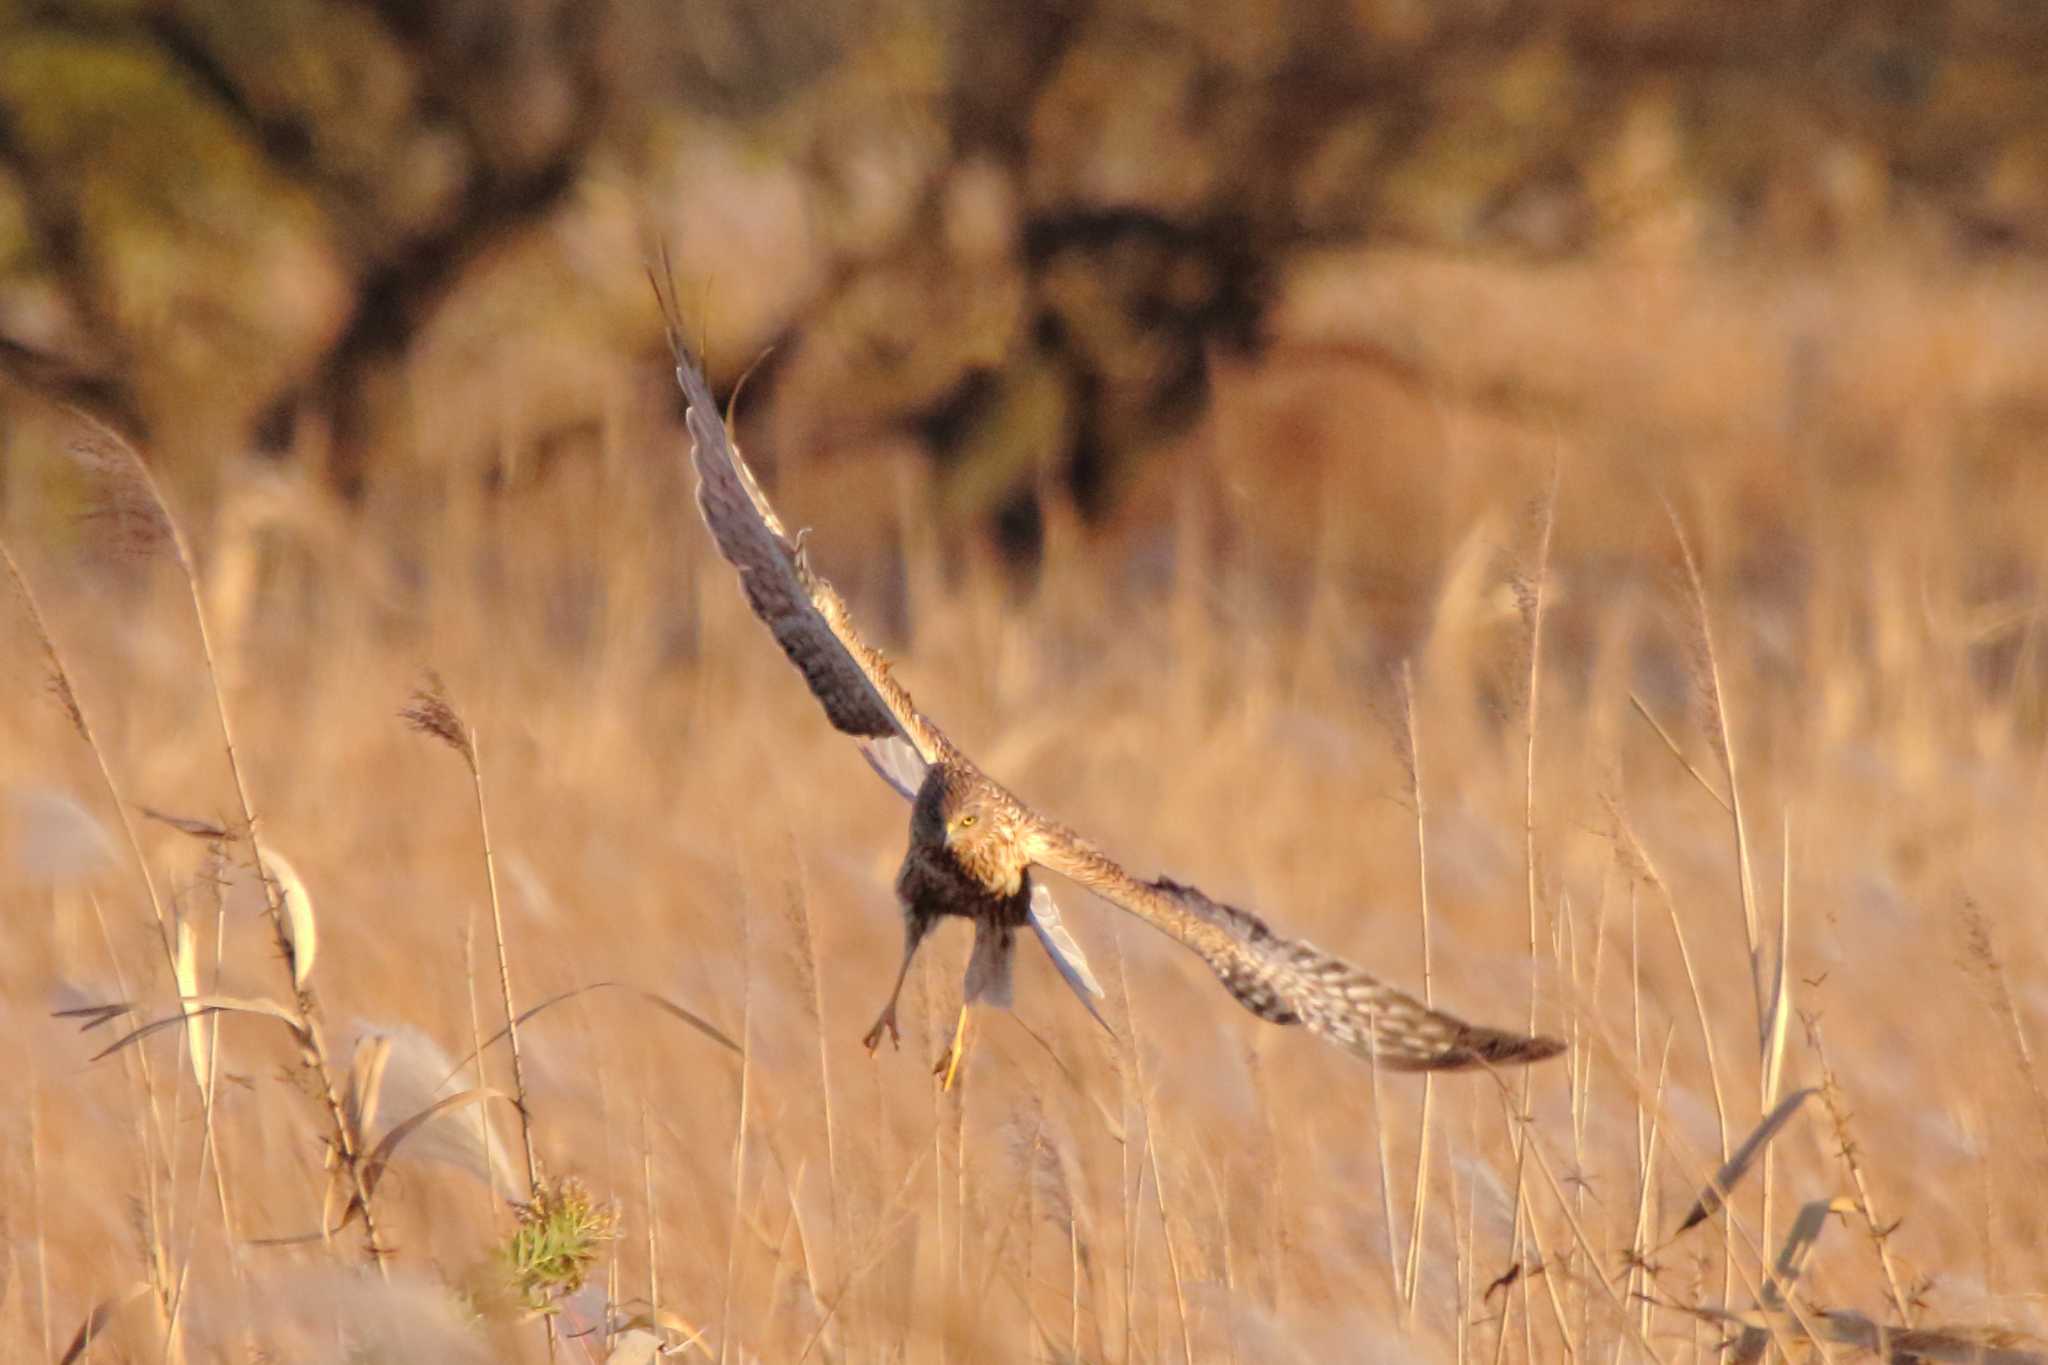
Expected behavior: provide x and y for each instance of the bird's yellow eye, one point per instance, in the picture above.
(967, 821)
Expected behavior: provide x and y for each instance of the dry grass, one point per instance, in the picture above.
(668, 815)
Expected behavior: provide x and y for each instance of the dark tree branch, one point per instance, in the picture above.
(106, 398)
(402, 291)
(58, 229)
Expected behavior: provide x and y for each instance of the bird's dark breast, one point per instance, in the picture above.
(933, 883)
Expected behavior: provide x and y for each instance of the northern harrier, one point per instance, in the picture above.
(973, 845)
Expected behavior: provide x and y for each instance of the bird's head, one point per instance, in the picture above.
(970, 817)
(957, 808)
(967, 820)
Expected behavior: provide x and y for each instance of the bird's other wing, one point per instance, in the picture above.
(1287, 981)
(806, 615)
(1064, 950)
(897, 762)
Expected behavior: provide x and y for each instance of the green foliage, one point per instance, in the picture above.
(561, 1233)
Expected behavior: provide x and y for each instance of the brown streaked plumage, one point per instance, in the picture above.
(973, 845)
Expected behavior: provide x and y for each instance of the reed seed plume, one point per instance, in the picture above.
(59, 687)
(432, 714)
(1981, 959)
(123, 516)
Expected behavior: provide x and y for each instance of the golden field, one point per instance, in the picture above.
(1652, 544)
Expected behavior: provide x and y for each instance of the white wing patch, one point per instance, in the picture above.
(1064, 950)
(897, 762)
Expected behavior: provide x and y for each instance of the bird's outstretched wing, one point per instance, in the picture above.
(1285, 980)
(809, 620)
(806, 615)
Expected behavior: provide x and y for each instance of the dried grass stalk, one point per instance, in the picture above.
(198, 1005)
(660, 1002)
(1715, 1195)
(301, 928)
(1964, 1345)
(209, 830)
(1838, 1118)
(432, 714)
(185, 969)
(143, 521)
(96, 1321)
(366, 1083)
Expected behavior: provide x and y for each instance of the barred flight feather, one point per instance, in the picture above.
(1288, 981)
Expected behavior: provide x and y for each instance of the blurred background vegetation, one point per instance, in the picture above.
(381, 239)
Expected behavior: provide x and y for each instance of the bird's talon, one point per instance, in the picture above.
(874, 1035)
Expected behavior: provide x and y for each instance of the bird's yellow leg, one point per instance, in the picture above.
(949, 1065)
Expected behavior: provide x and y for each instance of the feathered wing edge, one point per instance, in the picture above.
(800, 608)
(1065, 952)
(897, 762)
(1287, 981)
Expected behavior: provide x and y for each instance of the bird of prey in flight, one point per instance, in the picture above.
(974, 846)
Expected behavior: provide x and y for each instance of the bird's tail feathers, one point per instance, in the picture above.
(988, 969)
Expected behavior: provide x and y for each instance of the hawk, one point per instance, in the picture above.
(974, 846)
